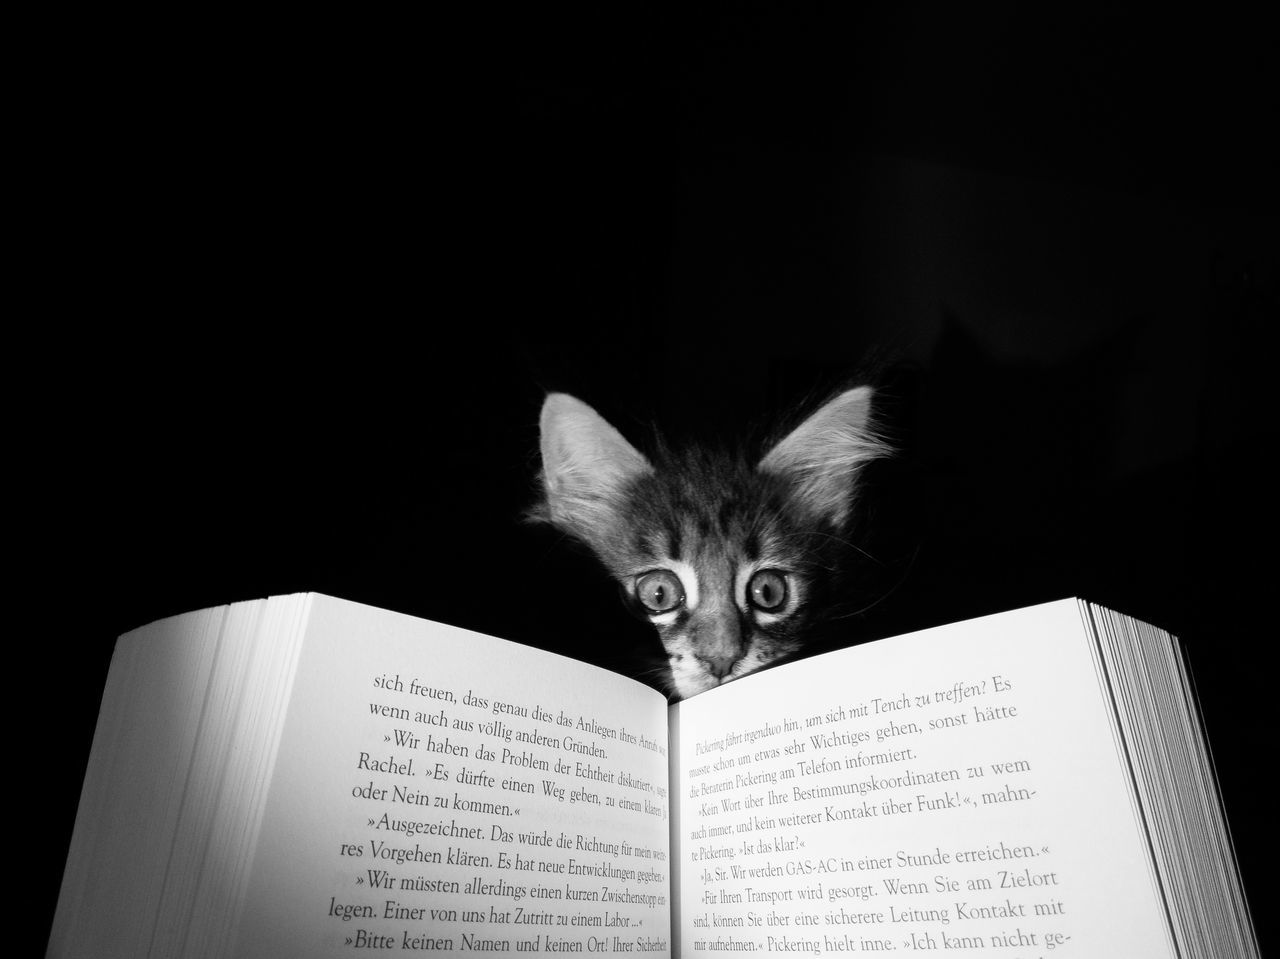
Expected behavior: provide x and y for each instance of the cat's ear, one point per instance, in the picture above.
(821, 456)
(587, 467)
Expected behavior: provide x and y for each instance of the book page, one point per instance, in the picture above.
(958, 789)
(441, 791)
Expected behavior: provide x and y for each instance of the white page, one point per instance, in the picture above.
(1042, 854)
(347, 775)
(134, 785)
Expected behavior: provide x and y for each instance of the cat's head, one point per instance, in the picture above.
(730, 559)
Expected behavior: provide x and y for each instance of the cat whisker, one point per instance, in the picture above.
(847, 543)
(886, 594)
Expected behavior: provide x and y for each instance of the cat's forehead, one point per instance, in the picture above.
(705, 508)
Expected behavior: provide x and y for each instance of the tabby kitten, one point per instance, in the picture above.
(732, 561)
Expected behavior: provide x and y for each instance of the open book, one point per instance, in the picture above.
(303, 776)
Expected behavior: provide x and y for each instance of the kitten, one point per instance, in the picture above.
(731, 561)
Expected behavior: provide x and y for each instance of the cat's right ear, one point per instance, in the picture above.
(587, 467)
(821, 456)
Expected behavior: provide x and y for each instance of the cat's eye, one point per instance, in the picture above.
(659, 591)
(767, 590)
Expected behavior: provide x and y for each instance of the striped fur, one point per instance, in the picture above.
(716, 521)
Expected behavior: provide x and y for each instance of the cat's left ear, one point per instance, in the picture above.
(821, 456)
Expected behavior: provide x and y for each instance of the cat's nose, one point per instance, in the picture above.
(719, 665)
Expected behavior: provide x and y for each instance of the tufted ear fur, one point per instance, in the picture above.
(587, 468)
(821, 456)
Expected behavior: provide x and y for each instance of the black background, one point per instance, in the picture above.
(331, 267)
